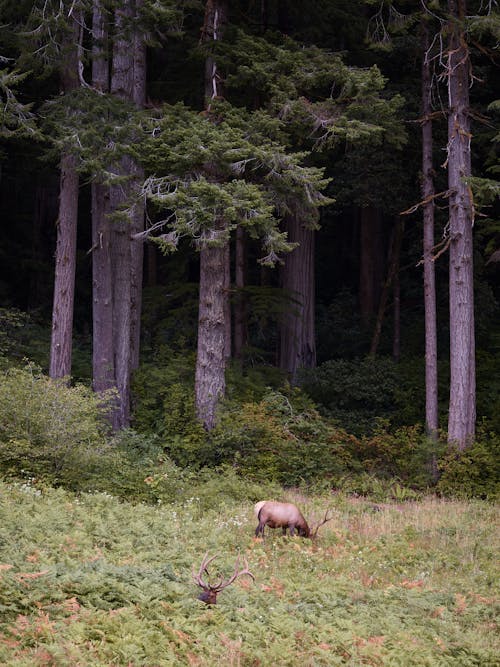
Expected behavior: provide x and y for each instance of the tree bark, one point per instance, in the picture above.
(103, 370)
(393, 268)
(427, 186)
(214, 341)
(462, 409)
(211, 359)
(370, 269)
(298, 344)
(121, 242)
(61, 342)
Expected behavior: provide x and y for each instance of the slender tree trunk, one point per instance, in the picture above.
(64, 283)
(371, 254)
(61, 343)
(461, 424)
(103, 370)
(121, 243)
(431, 375)
(462, 410)
(392, 269)
(298, 344)
(211, 359)
(214, 308)
(137, 216)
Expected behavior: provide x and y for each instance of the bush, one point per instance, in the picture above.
(48, 428)
(355, 393)
(473, 472)
(281, 438)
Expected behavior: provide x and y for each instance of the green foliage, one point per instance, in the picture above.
(280, 438)
(356, 393)
(48, 428)
(406, 454)
(473, 472)
(16, 119)
(90, 580)
(224, 166)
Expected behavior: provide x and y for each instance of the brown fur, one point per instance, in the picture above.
(280, 515)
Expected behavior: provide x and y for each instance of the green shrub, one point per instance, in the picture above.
(406, 454)
(355, 393)
(282, 439)
(473, 472)
(48, 428)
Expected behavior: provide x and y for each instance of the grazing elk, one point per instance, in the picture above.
(284, 515)
(210, 591)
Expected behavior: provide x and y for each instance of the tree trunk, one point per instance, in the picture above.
(61, 342)
(137, 216)
(211, 360)
(298, 344)
(103, 370)
(462, 410)
(371, 262)
(121, 242)
(392, 269)
(431, 375)
(65, 269)
(214, 308)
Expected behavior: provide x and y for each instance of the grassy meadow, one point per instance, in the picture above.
(89, 580)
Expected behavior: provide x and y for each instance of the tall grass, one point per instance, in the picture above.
(88, 580)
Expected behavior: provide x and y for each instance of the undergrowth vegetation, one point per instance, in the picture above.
(88, 579)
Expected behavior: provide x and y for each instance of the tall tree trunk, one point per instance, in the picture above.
(64, 282)
(431, 375)
(392, 269)
(214, 309)
(61, 342)
(298, 344)
(462, 410)
(121, 242)
(370, 261)
(103, 370)
(211, 359)
(137, 215)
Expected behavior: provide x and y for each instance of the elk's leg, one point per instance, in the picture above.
(260, 529)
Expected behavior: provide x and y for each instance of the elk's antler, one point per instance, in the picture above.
(210, 591)
(320, 523)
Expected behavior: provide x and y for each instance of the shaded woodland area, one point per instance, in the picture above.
(220, 211)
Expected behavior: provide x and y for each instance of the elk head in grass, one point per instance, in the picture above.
(285, 516)
(210, 591)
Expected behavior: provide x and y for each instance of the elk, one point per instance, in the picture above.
(210, 591)
(284, 515)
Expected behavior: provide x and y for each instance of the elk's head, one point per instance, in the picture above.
(210, 591)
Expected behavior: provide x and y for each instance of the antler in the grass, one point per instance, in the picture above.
(210, 591)
(326, 518)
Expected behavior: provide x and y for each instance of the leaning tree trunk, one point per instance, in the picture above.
(103, 371)
(61, 342)
(462, 410)
(213, 343)
(298, 344)
(431, 375)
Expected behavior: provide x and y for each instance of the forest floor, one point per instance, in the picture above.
(91, 580)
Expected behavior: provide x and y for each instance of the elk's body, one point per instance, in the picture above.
(280, 515)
